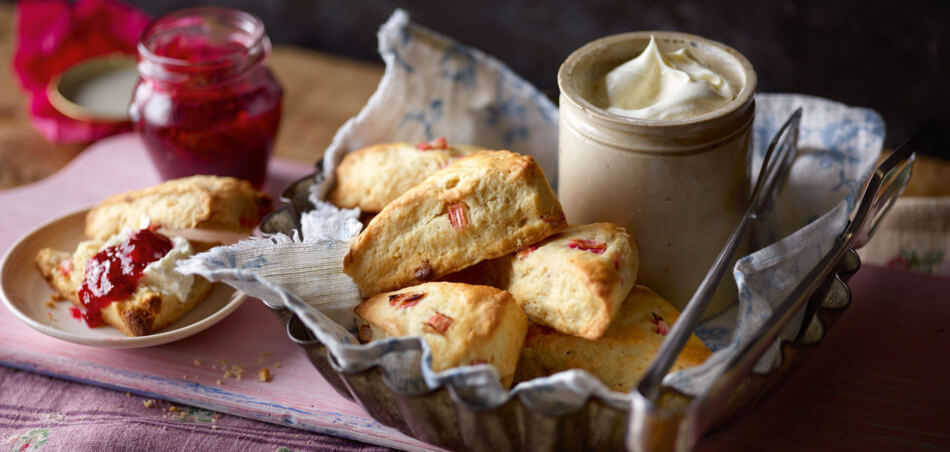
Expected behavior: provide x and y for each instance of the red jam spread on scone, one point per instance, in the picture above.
(114, 272)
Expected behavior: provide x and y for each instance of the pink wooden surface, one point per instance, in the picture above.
(297, 396)
(878, 382)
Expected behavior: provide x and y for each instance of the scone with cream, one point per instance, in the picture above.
(621, 356)
(574, 281)
(463, 324)
(483, 206)
(372, 177)
(125, 276)
(128, 282)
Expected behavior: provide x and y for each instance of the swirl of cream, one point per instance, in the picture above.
(665, 86)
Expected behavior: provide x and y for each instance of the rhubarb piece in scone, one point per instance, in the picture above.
(621, 356)
(208, 209)
(128, 281)
(483, 206)
(372, 177)
(463, 324)
(574, 281)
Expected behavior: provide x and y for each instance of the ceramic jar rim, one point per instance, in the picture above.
(735, 107)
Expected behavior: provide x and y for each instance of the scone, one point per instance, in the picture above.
(574, 281)
(483, 206)
(135, 306)
(463, 324)
(372, 177)
(621, 356)
(203, 208)
(124, 274)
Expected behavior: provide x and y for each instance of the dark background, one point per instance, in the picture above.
(891, 56)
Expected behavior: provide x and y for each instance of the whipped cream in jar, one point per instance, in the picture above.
(655, 135)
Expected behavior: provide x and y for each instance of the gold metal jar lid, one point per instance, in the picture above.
(98, 89)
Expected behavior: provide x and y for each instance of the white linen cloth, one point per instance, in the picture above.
(434, 86)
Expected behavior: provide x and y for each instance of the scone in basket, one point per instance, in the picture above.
(790, 291)
(454, 417)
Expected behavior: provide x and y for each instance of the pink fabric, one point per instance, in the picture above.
(43, 414)
(51, 36)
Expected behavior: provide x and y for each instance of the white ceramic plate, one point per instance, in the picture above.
(25, 293)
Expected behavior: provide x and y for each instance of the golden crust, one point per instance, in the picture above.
(505, 204)
(621, 356)
(372, 177)
(197, 202)
(563, 285)
(573, 290)
(486, 325)
(147, 311)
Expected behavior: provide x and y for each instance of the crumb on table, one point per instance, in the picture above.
(263, 375)
(237, 371)
(260, 359)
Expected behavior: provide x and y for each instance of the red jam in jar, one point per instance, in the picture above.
(114, 272)
(206, 103)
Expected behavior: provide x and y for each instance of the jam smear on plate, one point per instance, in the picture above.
(114, 272)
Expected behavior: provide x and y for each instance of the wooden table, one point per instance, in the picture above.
(320, 93)
(848, 394)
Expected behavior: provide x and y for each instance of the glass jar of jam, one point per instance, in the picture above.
(206, 103)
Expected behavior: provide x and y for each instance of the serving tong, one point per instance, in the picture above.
(651, 426)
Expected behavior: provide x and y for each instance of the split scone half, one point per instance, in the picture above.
(374, 176)
(206, 209)
(483, 206)
(574, 281)
(125, 276)
(463, 324)
(621, 356)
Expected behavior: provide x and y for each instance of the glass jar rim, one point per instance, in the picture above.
(249, 23)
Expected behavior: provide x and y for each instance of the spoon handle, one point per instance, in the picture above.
(775, 165)
(883, 188)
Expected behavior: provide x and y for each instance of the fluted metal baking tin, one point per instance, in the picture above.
(440, 418)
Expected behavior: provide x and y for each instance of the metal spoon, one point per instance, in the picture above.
(651, 427)
(775, 165)
(882, 190)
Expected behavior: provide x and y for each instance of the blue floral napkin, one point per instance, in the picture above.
(434, 86)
